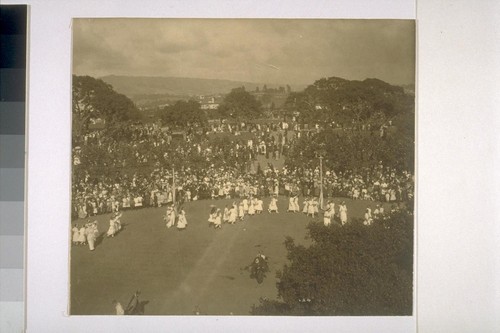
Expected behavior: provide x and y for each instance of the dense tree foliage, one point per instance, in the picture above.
(240, 104)
(377, 124)
(348, 270)
(350, 102)
(183, 114)
(93, 99)
(352, 150)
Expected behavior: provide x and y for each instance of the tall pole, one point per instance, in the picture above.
(321, 182)
(173, 186)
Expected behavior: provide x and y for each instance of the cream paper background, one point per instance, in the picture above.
(458, 154)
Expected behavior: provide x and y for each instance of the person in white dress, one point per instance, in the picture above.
(368, 217)
(245, 206)
(118, 222)
(332, 210)
(310, 207)
(273, 205)
(218, 219)
(393, 194)
(355, 194)
(211, 216)
(82, 211)
(173, 216)
(170, 217)
(241, 211)
(259, 205)
(75, 234)
(329, 214)
(327, 217)
(296, 203)
(118, 308)
(182, 222)
(306, 204)
(343, 213)
(225, 216)
(138, 201)
(111, 230)
(233, 214)
(125, 203)
(316, 206)
(82, 236)
(92, 232)
(376, 212)
(291, 205)
(251, 207)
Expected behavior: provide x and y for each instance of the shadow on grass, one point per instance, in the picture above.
(103, 234)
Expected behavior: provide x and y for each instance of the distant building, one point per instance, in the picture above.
(209, 102)
(209, 106)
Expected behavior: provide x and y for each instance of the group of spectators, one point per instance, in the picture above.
(146, 166)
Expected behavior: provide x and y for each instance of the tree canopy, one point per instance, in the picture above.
(351, 150)
(347, 102)
(348, 270)
(240, 104)
(93, 99)
(183, 114)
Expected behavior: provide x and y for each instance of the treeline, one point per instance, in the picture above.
(350, 270)
(349, 103)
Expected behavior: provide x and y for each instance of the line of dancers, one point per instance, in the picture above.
(311, 207)
(239, 209)
(85, 234)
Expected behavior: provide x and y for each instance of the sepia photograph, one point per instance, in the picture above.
(258, 167)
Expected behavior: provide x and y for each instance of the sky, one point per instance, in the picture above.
(283, 51)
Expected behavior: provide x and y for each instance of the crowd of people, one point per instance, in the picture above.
(147, 166)
(105, 194)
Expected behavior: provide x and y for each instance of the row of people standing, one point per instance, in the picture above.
(85, 234)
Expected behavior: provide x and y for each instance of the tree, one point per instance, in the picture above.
(348, 270)
(183, 114)
(240, 104)
(93, 98)
(351, 150)
(358, 102)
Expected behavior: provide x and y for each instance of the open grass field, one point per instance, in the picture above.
(178, 271)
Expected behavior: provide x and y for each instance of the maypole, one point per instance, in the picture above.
(321, 182)
(173, 186)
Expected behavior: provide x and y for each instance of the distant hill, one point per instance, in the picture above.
(409, 88)
(133, 86)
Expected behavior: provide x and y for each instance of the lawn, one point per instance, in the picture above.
(178, 271)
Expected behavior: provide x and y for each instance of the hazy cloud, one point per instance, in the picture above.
(265, 51)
